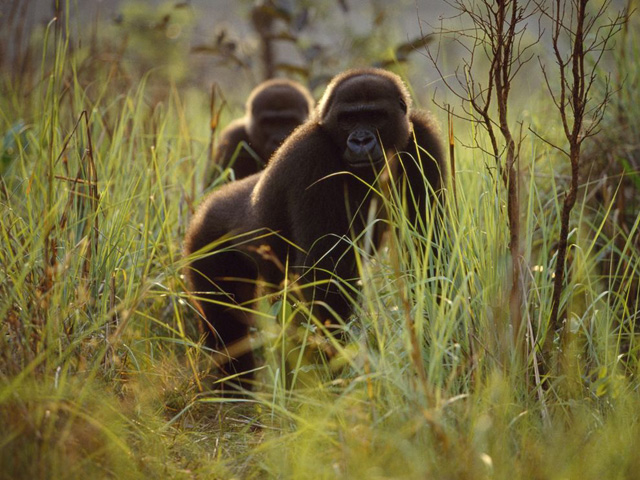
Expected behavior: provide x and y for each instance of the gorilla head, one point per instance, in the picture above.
(274, 109)
(364, 110)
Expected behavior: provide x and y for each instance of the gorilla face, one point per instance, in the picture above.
(366, 115)
(272, 127)
(274, 112)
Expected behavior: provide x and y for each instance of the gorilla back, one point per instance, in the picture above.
(309, 204)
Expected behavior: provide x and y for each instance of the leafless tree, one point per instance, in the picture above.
(496, 34)
(580, 37)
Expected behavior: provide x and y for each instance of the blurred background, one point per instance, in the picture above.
(234, 45)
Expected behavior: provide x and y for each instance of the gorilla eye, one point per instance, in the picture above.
(378, 118)
(403, 105)
(347, 119)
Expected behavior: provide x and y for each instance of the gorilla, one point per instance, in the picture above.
(305, 208)
(274, 108)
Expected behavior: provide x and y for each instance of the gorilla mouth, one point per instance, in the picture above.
(362, 161)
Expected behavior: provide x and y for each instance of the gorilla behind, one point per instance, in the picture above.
(273, 110)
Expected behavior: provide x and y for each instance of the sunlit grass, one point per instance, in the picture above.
(101, 372)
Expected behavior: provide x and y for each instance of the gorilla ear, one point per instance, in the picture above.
(403, 105)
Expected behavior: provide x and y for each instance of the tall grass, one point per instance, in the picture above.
(101, 372)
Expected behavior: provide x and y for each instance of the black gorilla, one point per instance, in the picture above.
(274, 109)
(309, 201)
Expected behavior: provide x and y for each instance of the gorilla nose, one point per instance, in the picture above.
(361, 142)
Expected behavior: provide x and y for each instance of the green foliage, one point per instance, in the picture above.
(101, 374)
(156, 38)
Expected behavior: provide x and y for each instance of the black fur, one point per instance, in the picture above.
(311, 194)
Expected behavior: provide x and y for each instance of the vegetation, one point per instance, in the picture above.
(101, 370)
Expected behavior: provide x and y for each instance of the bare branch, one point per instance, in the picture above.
(497, 35)
(587, 39)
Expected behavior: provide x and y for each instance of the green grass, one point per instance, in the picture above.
(101, 374)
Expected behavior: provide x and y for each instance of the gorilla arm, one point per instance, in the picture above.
(301, 195)
(234, 140)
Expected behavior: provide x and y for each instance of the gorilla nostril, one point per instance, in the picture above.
(361, 140)
(362, 147)
(369, 142)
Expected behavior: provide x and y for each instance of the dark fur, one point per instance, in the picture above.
(306, 196)
(273, 110)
